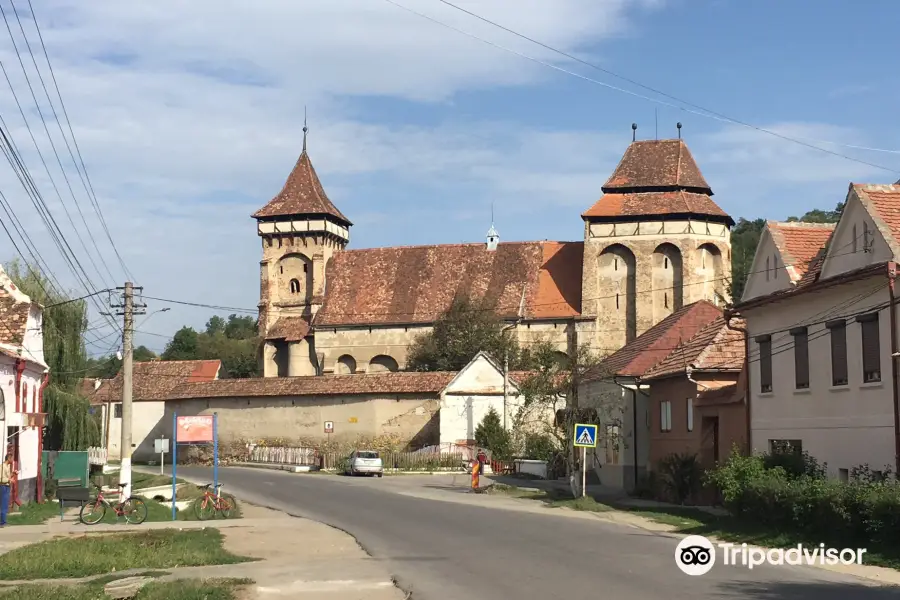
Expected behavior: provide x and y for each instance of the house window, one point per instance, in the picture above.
(867, 243)
(871, 347)
(801, 357)
(844, 475)
(765, 363)
(855, 239)
(295, 286)
(690, 414)
(785, 446)
(665, 416)
(118, 412)
(775, 267)
(767, 268)
(838, 334)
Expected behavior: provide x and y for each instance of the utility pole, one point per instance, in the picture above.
(128, 311)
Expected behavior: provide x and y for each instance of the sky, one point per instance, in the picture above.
(189, 116)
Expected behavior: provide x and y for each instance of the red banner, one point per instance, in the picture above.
(194, 429)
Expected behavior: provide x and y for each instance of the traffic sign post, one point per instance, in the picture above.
(585, 437)
(161, 445)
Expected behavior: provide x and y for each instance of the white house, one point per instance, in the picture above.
(23, 375)
(819, 306)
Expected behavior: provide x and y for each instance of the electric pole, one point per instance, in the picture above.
(128, 311)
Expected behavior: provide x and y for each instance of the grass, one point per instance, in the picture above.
(96, 554)
(210, 589)
(686, 520)
(34, 513)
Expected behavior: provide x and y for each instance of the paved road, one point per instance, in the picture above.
(442, 544)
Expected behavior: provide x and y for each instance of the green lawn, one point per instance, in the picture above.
(211, 589)
(96, 554)
(34, 513)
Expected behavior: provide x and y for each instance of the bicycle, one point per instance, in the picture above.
(211, 503)
(133, 509)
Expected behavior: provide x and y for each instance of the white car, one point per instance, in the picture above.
(365, 462)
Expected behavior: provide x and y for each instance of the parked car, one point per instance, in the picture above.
(365, 462)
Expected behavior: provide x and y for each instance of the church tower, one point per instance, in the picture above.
(300, 230)
(654, 242)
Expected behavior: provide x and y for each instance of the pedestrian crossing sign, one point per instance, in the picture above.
(585, 435)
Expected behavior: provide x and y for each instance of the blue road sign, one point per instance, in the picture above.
(585, 435)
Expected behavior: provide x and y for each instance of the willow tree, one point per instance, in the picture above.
(70, 425)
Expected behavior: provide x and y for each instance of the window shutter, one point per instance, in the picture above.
(871, 350)
(765, 363)
(801, 357)
(838, 336)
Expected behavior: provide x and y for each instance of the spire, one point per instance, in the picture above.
(305, 130)
(493, 237)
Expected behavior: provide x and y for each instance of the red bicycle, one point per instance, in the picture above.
(133, 509)
(211, 503)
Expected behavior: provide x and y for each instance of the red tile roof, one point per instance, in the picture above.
(155, 380)
(302, 194)
(801, 245)
(15, 306)
(290, 329)
(656, 178)
(648, 349)
(714, 347)
(416, 284)
(885, 200)
(648, 204)
(406, 382)
(655, 164)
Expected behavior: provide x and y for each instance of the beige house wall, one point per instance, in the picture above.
(147, 425)
(844, 426)
(406, 417)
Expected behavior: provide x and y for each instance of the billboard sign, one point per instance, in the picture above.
(195, 429)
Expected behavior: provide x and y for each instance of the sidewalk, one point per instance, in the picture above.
(300, 558)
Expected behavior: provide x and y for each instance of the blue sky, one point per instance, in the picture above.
(189, 117)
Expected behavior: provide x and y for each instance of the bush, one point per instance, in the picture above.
(490, 434)
(795, 463)
(681, 476)
(540, 447)
(784, 493)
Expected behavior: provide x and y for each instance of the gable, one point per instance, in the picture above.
(768, 273)
(481, 376)
(857, 242)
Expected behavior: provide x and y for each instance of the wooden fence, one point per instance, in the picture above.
(97, 456)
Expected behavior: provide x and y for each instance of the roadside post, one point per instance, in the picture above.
(585, 437)
(195, 430)
(161, 446)
(329, 429)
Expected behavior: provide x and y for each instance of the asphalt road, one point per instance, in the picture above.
(467, 549)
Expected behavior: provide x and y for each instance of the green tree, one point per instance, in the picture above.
(70, 425)
(818, 215)
(458, 335)
(106, 367)
(744, 239)
(491, 435)
(184, 345)
(234, 341)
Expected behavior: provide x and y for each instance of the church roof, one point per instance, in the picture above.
(302, 194)
(416, 284)
(655, 178)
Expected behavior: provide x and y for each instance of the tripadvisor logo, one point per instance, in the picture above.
(696, 555)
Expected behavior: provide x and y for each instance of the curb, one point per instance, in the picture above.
(309, 469)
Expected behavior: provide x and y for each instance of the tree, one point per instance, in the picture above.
(234, 341)
(744, 239)
(185, 345)
(466, 329)
(818, 215)
(70, 425)
(491, 435)
(107, 367)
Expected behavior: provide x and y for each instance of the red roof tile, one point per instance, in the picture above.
(648, 349)
(885, 199)
(290, 329)
(155, 380)
(302, 194)
(15, 307)
(417, 284)
(657, 164)
(647, 204)
(800, 245)
(655, 178)
(714, 347)
(406, 382)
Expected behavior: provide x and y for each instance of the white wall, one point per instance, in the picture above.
(843, 426)
(146, 426)
(855, 220)
(762, 281)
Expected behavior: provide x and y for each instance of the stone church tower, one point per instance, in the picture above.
(654, 242)
(300, 230)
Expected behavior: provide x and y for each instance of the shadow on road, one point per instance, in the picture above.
(775, 590)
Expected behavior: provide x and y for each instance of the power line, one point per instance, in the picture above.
(707, 114)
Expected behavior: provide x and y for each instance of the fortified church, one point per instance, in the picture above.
(653, 242)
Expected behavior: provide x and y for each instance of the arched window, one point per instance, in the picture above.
(295, 286)
(346, 365)
(617, 275)
(668, 295)
(382, 364)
